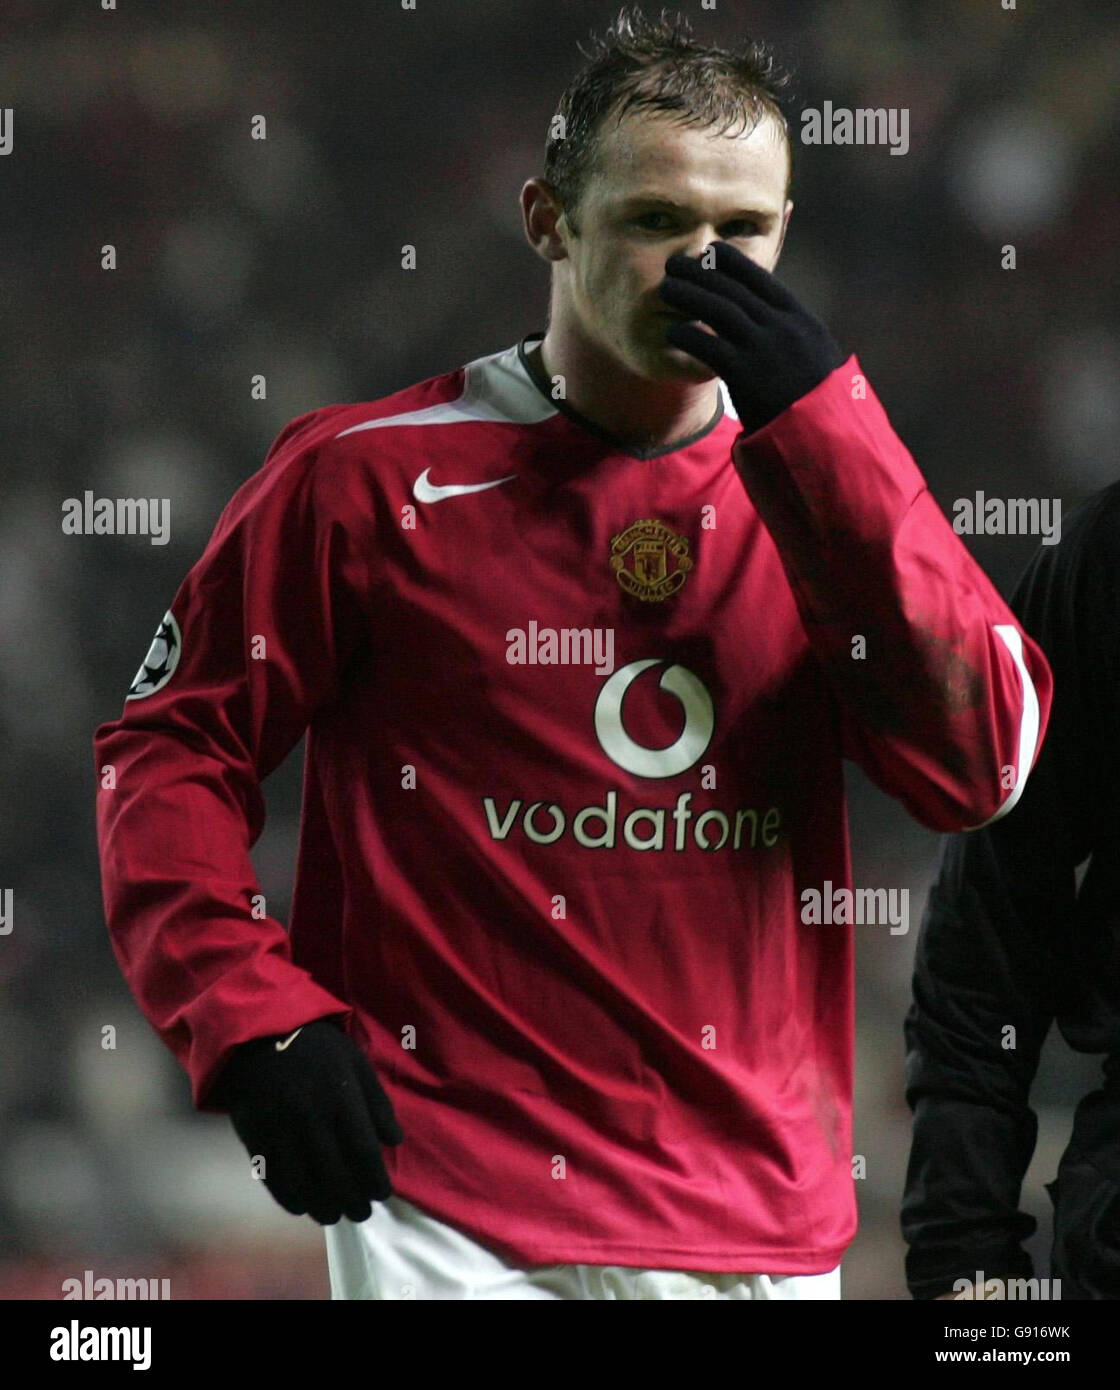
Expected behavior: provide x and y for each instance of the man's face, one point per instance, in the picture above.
(656, 188)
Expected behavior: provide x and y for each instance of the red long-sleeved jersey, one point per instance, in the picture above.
(576, 719)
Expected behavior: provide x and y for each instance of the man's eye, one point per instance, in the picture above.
(744, 228)
(654, 221)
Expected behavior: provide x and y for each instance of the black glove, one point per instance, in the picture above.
(316, 1113)
(770, 350)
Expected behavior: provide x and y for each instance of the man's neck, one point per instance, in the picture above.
(639, 413)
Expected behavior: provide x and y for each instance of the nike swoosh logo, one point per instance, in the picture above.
(426, 491)
(280, 1046)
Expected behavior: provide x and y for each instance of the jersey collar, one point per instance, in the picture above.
(531, 362)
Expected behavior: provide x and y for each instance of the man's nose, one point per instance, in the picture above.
(699, 242)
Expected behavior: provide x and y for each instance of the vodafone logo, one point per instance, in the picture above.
(607, 825)
(699, 722)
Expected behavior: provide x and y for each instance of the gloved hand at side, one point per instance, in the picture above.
(310, 1105)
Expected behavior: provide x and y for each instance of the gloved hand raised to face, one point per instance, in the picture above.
(314, 1110)
(768, 349)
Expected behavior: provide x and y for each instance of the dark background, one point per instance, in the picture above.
(283, 257)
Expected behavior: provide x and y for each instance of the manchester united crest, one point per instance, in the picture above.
(650, 560)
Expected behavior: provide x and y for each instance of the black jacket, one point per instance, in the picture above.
(1009, 943)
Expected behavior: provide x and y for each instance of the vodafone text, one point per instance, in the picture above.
(712, 830)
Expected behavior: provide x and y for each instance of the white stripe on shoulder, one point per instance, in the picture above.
(495, 388)
(1028, 725)
(728, 403)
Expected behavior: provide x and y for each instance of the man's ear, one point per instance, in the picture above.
(542, 217)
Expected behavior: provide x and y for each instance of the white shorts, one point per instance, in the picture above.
(402, 1253)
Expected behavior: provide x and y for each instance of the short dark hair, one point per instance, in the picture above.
(658, 65)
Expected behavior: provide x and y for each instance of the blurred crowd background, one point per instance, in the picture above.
(389, 126)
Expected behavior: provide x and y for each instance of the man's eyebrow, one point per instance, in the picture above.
(652, 198)
(658, 200)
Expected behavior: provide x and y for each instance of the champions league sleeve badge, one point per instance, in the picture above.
(159, 665)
